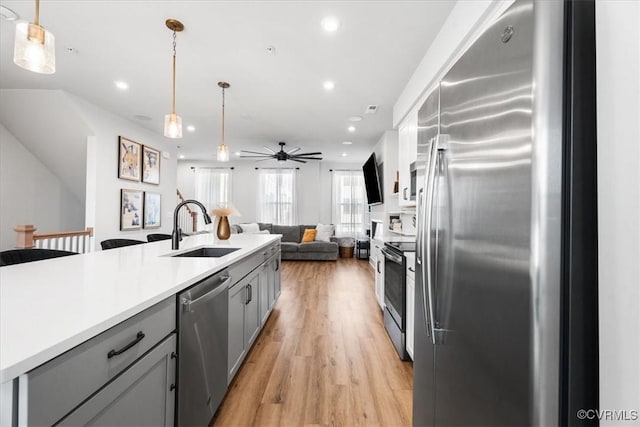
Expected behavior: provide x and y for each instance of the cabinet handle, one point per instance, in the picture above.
(172, 387)
(174, 355)
(411, 270)
(404, 193)
(378, 268)
(139, 338)
(277, 265)
(249, 294)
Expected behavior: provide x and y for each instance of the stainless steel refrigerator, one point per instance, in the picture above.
(506, 283)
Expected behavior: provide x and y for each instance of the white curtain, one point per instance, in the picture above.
(212, 189)
(348, 202)
(277, 196)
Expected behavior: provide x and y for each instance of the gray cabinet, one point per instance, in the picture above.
(52, 390)
(250, 302)
(142, 396)
(265, 285)
(244, 319)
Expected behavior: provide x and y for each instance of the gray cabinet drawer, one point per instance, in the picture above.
(50, 391)
(144, 395)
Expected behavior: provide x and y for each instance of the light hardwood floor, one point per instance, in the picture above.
(323, 358)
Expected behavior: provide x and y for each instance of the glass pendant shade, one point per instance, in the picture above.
(34, 48)
(173, 126)
(223, 153)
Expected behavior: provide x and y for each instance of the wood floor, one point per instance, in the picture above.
(323, 358)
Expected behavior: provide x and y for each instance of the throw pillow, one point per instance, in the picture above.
(309, 235)
(252, 228)
(325, 231)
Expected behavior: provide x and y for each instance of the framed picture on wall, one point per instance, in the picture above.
(129, 155)
(130, 209)
(150, 165)
(152, 210)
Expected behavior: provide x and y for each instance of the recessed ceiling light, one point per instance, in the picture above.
(329, 85)
(237, 153)
(330, 24)
(181, 156)
(347, 142)
(271, 50)
(121, 85)
(344, 154)
(191, 128)
(351, 128)
(355, 118)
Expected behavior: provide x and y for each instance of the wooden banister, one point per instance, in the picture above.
(68, 240)
(194, 214)
(87, 232)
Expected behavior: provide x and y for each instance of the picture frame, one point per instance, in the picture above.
(131, 209)
(150, 165)
(152, 210)
(129, 159)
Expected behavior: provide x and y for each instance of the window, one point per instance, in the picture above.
(277, 196)
(213, 190)
(348, 204)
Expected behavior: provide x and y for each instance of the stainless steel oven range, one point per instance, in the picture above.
(395, 291)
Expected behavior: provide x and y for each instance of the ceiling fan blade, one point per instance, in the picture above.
(264, 160)
(255, 152)
(269, 156)
(296, 160)
(293, 150)
(269, 149)
(306, 158)
(317, 153)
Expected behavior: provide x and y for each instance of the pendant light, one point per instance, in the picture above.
(35, 47)
(173, 122)
(223, 151)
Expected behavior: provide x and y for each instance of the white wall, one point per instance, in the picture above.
(103, 185)
(31, 194)
(618, 75)
(314, 187)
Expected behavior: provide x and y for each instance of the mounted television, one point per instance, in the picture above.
(372, 180)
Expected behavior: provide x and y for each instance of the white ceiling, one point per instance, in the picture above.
(272, 98)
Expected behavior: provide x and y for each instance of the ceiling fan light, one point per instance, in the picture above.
(172, 126)
(223, 153)
(34, 48)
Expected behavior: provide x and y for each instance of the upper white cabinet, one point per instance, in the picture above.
(407, 154)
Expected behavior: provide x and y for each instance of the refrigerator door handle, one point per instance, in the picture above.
(438, 144)
(419, 231)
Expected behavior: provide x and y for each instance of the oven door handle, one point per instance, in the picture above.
(391, 256)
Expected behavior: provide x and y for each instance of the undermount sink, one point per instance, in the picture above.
(207, 252)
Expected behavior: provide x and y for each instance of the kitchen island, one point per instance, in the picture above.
(50, 307)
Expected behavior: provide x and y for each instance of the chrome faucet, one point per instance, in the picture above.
(176, 234)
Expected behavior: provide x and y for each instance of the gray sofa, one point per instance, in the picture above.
(292, 249)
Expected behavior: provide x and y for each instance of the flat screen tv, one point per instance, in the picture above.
(372, 180)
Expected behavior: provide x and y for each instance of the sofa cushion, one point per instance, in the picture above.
(325, 231)
(289, 247)
(290, 233)
(309, 235)
(318, 247)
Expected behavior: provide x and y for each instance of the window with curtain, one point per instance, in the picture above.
(212, 189)
(348, 204)
(277, 200)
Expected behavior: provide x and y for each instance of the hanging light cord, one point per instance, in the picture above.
(36, 20)
(173, 100)
(223, 116)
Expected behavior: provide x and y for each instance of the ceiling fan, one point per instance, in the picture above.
(281, 155)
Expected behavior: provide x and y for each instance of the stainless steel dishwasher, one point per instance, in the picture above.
(203, 316)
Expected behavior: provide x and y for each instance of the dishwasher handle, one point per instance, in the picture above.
(187, 303)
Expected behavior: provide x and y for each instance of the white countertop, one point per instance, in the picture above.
(48, 307)
(391, 237)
